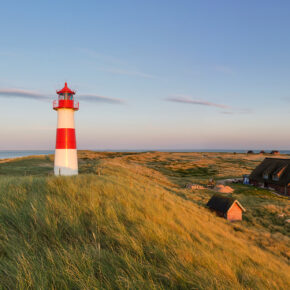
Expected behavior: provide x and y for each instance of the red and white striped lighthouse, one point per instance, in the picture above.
(65, 159)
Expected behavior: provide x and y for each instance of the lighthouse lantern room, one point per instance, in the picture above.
(65, 160)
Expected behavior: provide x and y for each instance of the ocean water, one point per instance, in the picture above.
(22, 153)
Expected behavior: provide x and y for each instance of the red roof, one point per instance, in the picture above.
(65, 90)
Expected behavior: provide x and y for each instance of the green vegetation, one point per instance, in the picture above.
(38, 165)
(128, 222)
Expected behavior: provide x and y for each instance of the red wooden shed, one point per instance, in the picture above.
(227, 207)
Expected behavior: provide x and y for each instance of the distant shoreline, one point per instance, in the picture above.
(11, 154)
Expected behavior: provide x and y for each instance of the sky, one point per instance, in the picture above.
(154, 74)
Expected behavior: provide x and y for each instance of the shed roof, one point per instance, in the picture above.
(223, 203)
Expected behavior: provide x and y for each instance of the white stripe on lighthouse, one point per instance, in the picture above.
(65, 118)
(66, 162)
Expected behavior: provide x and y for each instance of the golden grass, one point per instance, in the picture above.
(126, 222)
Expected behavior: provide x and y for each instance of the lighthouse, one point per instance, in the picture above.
(65, 159)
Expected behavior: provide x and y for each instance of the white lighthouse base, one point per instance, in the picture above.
(66, 162)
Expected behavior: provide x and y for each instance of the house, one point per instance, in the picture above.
(272, 173)
(226, 207)
(275, 152)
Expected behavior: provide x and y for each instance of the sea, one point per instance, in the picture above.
(22, 153)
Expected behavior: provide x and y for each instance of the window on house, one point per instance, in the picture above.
(265, 175)
(275, 177)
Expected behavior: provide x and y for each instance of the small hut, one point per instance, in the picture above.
(226, 207)
(275, 152)
(262, 152)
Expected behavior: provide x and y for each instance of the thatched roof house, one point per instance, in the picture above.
(273, 173)
(227, 207)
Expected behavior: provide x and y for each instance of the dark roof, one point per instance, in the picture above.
(270, 167)
(222, 203)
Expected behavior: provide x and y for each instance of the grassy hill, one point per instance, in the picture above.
(128, 222)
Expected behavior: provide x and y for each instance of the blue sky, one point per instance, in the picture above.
(162, 74)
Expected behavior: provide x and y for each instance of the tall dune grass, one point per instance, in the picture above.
(122, 226)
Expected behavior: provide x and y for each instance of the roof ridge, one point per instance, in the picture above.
(238, 204)
(275, 158)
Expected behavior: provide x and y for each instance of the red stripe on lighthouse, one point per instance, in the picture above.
(65, 138)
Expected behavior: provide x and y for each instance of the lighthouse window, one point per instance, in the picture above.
(67, 96)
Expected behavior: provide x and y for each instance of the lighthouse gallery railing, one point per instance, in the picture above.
(70, 104)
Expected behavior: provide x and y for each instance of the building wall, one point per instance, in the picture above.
(279, 188)
(234, 213)
(256, 183)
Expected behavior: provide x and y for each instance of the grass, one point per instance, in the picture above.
(127, 222)
(38, 165)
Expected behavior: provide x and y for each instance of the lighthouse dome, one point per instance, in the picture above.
(65, 90)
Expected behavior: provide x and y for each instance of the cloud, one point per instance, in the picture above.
(244, 111)
(227, 110)
(237, 111)
(25, 94)
(188, 100)
(100, 99)
(227, 113)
